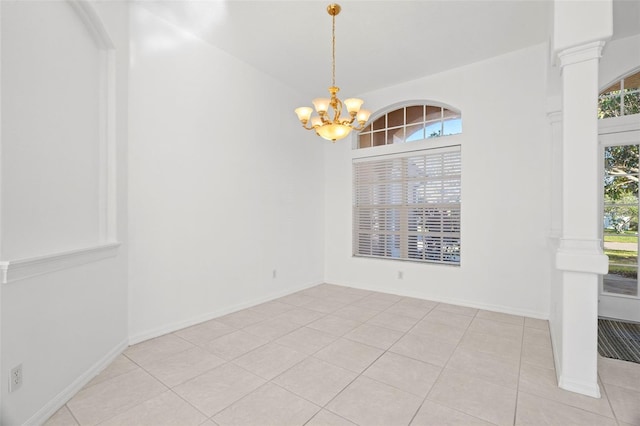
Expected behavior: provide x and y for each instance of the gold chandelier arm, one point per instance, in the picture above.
(360, 126)
(350, 121)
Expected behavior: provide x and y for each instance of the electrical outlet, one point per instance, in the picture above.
(400, 275)
(15, 379)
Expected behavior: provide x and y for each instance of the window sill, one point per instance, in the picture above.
(15, 270)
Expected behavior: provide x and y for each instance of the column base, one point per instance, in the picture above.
(579, 386)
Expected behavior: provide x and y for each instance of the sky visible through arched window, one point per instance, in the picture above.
(410, 124)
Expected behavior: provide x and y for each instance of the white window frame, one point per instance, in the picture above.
(407, 206)
(614, 131)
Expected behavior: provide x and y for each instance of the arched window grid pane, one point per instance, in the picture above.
(621, 98)
(410, 123)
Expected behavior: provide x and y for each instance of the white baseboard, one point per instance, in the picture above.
(555, 346)
(66, 394)
(579, 386)
(455, 301)
(63, 397)
(170, 328)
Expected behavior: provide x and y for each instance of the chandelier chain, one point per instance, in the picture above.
(333, 51)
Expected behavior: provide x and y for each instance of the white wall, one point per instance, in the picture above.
(505, 191)
(595, 23)
(51, 111)
(224, 187)
(619, 57)
(62, 326)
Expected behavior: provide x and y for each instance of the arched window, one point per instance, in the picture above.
(621, 98)
(407, 201)
(410, 123)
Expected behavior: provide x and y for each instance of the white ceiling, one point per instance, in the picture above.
(379, 43)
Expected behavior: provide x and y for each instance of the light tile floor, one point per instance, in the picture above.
(333, 355)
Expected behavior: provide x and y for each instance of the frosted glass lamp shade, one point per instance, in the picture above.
(304, 113)
(321, 104)
(353, 104)
(333, 132)
(316, 121)
(363, 115)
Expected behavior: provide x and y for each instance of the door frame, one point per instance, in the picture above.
(616, 131)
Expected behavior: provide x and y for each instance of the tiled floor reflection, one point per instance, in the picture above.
(333, 355)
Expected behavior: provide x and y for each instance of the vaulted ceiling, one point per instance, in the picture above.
(379, 43)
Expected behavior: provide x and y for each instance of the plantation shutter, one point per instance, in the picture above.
(407, 206)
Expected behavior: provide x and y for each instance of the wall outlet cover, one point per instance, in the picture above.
(15, 378)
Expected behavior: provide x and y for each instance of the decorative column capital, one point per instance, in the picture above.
(554, 117)
(581, 53)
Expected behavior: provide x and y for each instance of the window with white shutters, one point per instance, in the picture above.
(407, 205)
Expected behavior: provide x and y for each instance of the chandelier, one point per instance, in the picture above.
(330, 123)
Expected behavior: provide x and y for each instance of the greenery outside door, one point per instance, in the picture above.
(619, 292)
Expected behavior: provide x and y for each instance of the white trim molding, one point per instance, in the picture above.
(625, 123)
(578, 386)
(581, 255)
(555, 122)
(107, 124)
(170, 328)
(537, 314)
(555, 117)
(582, 53)
(15, 270)
(92, 21)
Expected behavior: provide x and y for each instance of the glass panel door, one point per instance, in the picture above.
(619, 292)
(621, 219)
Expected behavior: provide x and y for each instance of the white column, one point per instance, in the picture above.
(555, 120)
(556, 301)
(580, 256)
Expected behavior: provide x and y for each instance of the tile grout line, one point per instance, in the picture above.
(226, 362)
(563, 403)
(324, 407)
(441, 369)
(355, 303)
(171, 388)
(87, 386)
(369, 365)
(73, 415)
(267, 381)
(270, 381)
(112, 378)
(426, 397)
(515, 408)
(241, 367)
(604, 390)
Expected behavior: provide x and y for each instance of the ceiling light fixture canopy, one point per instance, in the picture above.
(330, 123)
